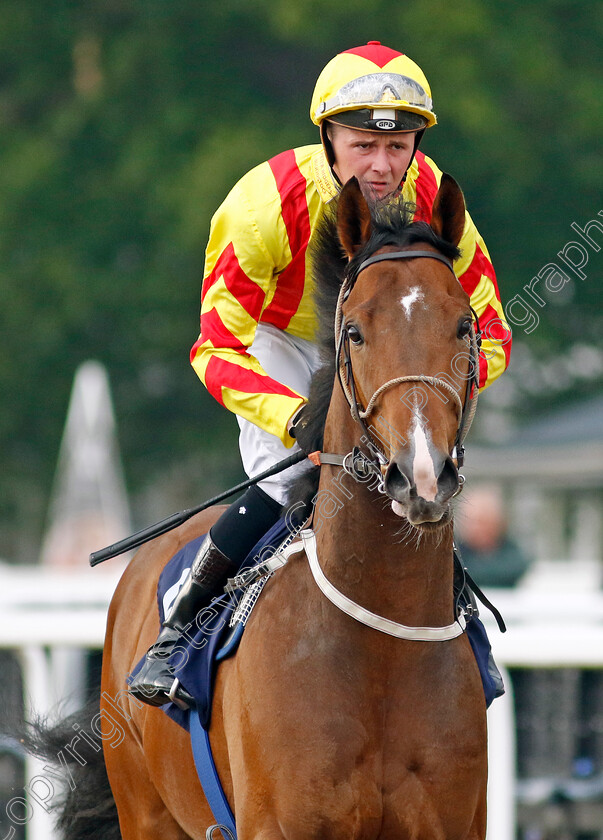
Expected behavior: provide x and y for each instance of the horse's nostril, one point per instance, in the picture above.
(397, 485)
(448, 480)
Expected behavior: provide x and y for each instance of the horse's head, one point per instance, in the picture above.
(405, 359)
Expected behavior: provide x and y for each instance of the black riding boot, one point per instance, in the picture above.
(236, 532)
(209, 572)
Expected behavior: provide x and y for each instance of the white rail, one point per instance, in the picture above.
(43, 613)
(47, 617)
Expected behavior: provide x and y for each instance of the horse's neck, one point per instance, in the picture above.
(386, 566)
(375, 557)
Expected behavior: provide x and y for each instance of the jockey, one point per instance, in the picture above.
(256, 352)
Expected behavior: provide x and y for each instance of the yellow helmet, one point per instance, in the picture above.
(373, 88)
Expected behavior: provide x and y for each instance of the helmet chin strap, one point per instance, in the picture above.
(418, 137)
(327, 146)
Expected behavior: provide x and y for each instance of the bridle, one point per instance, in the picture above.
(361, 466)
(466, 407)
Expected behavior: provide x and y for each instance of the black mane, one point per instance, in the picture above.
(392, 225)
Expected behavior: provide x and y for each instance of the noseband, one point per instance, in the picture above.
(465, 408)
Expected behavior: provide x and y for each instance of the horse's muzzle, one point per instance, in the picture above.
(421, 498)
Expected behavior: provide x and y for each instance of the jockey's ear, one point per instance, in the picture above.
(448, 214)
(353, 218)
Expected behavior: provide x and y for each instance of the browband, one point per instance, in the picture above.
(352, 276)
(403, 255)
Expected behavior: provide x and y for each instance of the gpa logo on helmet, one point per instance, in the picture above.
(385, 125)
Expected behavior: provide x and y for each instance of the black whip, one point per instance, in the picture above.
(171, 522)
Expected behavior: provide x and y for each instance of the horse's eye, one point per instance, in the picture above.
(354, 334)
(464, 327)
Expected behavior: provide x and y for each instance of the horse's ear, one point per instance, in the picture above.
(353, 218)
(448, 214)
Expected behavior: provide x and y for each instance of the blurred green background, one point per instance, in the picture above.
(124, 124)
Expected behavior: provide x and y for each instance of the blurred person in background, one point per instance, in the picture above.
(487, 550)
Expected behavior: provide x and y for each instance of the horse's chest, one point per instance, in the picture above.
(375, 798)
(356, 768)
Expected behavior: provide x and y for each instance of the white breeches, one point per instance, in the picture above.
(291, 361)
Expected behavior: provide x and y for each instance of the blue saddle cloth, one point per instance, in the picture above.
(210, 640)
(196, 658)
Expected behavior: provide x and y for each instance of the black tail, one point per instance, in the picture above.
(74, 750)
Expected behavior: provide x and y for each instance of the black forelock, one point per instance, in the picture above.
(393, 225)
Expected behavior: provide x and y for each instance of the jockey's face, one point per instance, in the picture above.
(378, 159)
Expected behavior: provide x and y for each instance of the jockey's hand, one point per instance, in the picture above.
(306, 430)
(294, 420)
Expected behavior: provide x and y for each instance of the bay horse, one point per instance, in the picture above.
(322, 726)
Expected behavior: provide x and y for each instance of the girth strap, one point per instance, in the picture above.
(208, 775)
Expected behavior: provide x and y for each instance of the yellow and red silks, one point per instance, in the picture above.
(257, 270)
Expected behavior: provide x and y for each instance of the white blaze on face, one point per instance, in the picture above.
(423, 471)
(408, 300)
